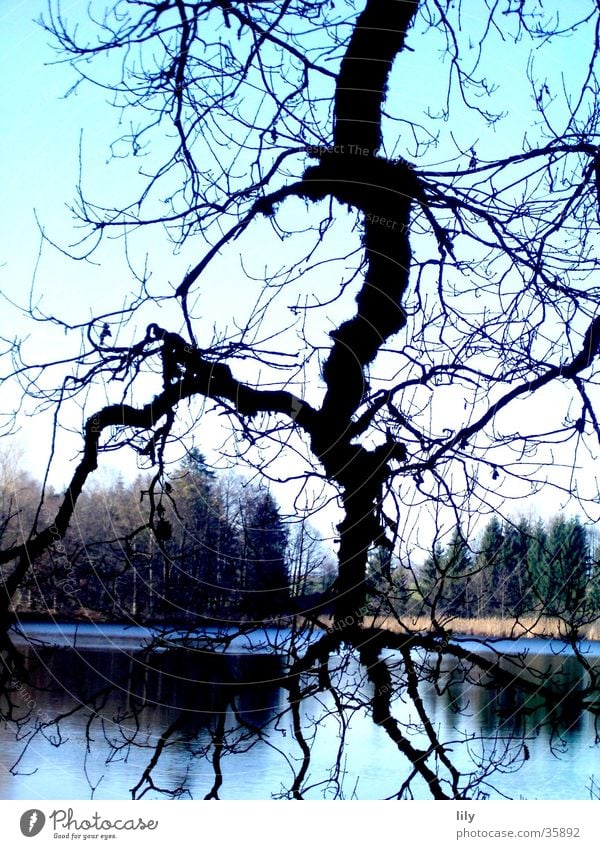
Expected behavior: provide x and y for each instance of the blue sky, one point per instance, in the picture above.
(39, 170)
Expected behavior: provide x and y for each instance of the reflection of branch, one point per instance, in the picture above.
(218, 741)
(379, 675)
(436, 747)
(295, 698)
(146, 777)
(379, 639)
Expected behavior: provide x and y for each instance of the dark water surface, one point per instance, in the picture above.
(104, 750)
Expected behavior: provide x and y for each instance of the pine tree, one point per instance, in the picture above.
(458, 570)
(443, 581)
(198, 576)
(515, 587)
(389, 582)
(266, 581)
(536, 565)
(490, 565)
(593, 587)
(567, 567)
(428, 583)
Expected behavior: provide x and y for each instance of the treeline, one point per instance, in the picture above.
(512, 570)
(218, 547)
(211, 546)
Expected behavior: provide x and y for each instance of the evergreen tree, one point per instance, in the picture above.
(443, 581)
(567, 567)
(514, 587)
(536, 565)
(458, 570)
(593, 587)
(198, 557)
(389, 582)
(265, 582)
(490, 566)
(429, 578)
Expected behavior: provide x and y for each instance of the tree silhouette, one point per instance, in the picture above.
(425, 320)
(566, 570)
(266, 579)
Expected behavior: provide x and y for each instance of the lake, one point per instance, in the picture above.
(120, 700)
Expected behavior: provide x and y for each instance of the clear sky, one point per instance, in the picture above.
(39, 169)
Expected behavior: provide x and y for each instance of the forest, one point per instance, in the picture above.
(515, 569)
(223, 550)
(220, 549)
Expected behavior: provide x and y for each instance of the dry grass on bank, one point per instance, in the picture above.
(489, 626)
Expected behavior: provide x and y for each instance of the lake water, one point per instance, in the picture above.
(131, 697)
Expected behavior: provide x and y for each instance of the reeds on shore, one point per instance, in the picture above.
(487, 626)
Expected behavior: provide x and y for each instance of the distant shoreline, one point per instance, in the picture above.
(528, 627)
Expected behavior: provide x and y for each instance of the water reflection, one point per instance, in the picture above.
(511, 711)
(118, 704)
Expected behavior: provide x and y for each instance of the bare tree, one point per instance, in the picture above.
(426, 330)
